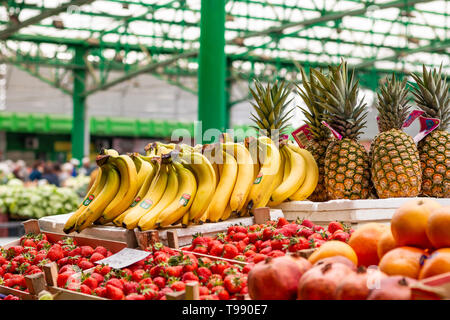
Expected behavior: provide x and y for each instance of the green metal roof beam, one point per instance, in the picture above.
(13, 28)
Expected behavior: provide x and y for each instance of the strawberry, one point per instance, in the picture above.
(96, 257)
(298, 243)
(161, 295)
(115, 283)
(199, 239)
(276, 253)
(55, 253)
(160, 256)
(221, 293)
(105, 270)
(85, 264)
(174, 271)
(114, 293)
(190, 263)
(230, 251)
(238, 236)
(202, 290)
(246, 269)
(135, 296)
(214, 281)
(234, 283)
(146, 281)
(315, 236)
(101, 250)
(288, 230)
(305, 222)
(29, 243)
(86, 251)
(281, 222)
(259, 257)
(74, 252)
(340, 235)
(216, 250)
(305, 232)
(317, 228)
(43, 244)
(91, 282)
(160, 282)
(97, 276)
(253, 237)
(189, 276)
(100, 291)
(178, 286)
(85, 289)
(218, 267)
(203, 274)
(333, 226)
(130, 287)
(201, 249)
(138, 275)
(277, 242)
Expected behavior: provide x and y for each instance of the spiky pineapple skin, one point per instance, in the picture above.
(434, 151)
(395, 165)
(347, 173)
(319, 149)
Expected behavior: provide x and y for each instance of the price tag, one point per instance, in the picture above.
(427, 125)
(336, 134)
(302, 135)
(412, 116)
(124, 258)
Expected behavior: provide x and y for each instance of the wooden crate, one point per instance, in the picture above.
(354, 212)
(110, 232)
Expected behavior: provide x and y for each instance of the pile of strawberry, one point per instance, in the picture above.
(35, 251)
(254, 243)
(163, 271)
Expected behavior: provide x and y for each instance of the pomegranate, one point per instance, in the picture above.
(276, 278)
(357, 285)
(320, 282)
(392, 288)
(336, 259)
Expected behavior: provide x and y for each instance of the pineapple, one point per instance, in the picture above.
(347, 173)
(395, 163)
(271, 110)
(432, 96)
(320, 135)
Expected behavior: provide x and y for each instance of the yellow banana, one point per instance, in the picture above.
(206, 181)
(226, 213)
(95, 208)
(244, 178)
(225, 187)
(141, 193)
(154, 194)
(210, 154)
(312, 175)
(294, 180)
(203, 218)
(148, 221)
(94, 186)
(185, 221)
(286, 163)
(99, 185)
(183, 200)
(280, 174)
(264, 183)
(110, 152)
(128, 187)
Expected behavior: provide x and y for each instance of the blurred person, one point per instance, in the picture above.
(20, 170)
(38, 169)
(75, 162)
(50, 174)
(86, 168)
(66, 172)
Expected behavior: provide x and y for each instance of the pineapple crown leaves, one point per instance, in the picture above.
(432, 95)
(271, 107)
(339, 97)
(392, 104)
(314, 112)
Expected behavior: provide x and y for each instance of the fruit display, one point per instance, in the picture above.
(164, 271)
(179, 184)
(395, 163)
(28, 202)
(432, 96)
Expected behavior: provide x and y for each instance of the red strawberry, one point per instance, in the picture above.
(218, 267)
(203, 290)
(100, 291)
(253, 237)
(160, 256)
(281, 222)
(86, 251)
(178, 286)
(55, 253)
(259, 257)
(307, 223)
(91, 282)
(105, 270)
(62, 279)
(130, 287)
(160, 282)
(234, 283)
(318, 228)
(298, 243)
(214, 281)
(333, 226)
(201, 249)
(174, 271)
(203, 274)
(39, 257)
(189, 276)
(315, 236)
(97, 276)
(101, 250)
(221, 293)
(146, 281)
(135, 296)
(247, 268)
(14, 251)
(340, 235)
(43, 244)
(305, 232)
(230, 251)
(85, 264)
(29, 243)
(216, 250)
(115, 282)
(74, 252)
(96, 257)
(199, 239)
(275, 253)
(288, 230)
(190, 263)
(85, 289)
(238, 236)
(266, 250)
(138, 275)
(113, 292)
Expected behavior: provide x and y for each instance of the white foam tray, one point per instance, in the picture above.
(110, 232)
(350, 211)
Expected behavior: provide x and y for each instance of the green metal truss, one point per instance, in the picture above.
(106, 42)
